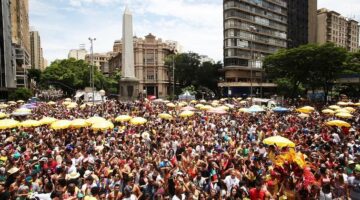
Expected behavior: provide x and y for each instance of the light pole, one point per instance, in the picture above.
(173, 72)
(92, 69)
(102, 94)
(251, 29)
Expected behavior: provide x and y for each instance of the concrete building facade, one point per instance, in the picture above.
(252, 30)
(150, 69)
(332, 27)
(101, 61)
(7, 68)
(301, 22)
(78, 54)
(36, 50)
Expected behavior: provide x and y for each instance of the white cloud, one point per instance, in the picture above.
(347, 8)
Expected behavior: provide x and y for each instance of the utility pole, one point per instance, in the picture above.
(92, 69)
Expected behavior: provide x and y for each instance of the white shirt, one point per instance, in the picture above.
(231, 182)
(44, 196)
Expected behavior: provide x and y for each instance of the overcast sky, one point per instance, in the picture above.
(195, 24)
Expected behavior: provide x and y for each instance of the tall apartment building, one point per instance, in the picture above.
(36, 50)
(78, 54)
(20, 39)
(7, 69)
(332, 27)
(252, 30)
(301, 19)
(150, 69)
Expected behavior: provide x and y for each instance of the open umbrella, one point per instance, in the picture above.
(202, 101)
(342, 110)
(328, 111)
(206, 107)
(20, 101)
(350, 109)
(344, 115)
(217, 111)
(182, 104)
(102, 126)
(193, 101)
(60, 124)
(357, 104)
(123, 118)
(3, 115)
(303, 115)
(11, 102)
(341, 103)
(3, 106)
(79, 123)
(138, 121)
(21, 112)
(165, 116)
(51, 103)
(306, 109)
(170, 105)
(71, 105)
(47, 120)
(199, 106)
(95, 119)
(186, 113)
(334, 107)
(188, 108)
(280, 109)
(8, 124)
(67, 99)
(279, 141)
(338, 123)
(255, 108)
(30, 123)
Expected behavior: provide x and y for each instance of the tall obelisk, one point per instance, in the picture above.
(128, 83)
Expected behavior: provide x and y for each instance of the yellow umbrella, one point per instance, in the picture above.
(186, 113)
(202, 101)
(67, 99)
(334, 107)
(65, 103)
(11, 102)
(165, 116)
(206, 107)
(303, 115)
(79, 123)
(138, 121)
(51, 103)
(21, 112)
(193, 101)
(170, 105)
(357, 104)
(8, 123)
(338, 123)
(72, 105)
(350, 109)
(3, 106)
(20, 101)
(243, 102)
(47, 120)
(199, 106)
(344, 115)
(182, 104)
(214, 104)
(341, 103)
(328, 111)
(123, 118)
(102, 126)
(223, 108)
(86, 104)
(93, 120)
(60, 124)
(279, 141)
(30, 123)
(350, 103)
(306, 109)
(245, 110)
(3, 115)
(342, 110)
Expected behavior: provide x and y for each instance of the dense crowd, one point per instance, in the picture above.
(205, 156)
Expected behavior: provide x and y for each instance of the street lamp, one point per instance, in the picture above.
(252, 29)
(102, 94)
(92, 76)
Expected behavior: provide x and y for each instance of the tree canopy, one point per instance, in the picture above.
(309, 66)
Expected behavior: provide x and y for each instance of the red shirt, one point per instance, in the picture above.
(256, 194)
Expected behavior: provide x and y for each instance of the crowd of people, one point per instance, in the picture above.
(205, 156)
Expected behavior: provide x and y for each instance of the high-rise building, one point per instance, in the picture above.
(332, 27)
(150, 69)
(301, 19)
(36, 50)
(78, 54)
(7, 69)
(252, 30)
(20, 39)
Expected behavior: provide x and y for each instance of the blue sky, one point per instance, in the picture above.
(195, 24)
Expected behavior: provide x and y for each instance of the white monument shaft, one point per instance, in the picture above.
(128, 68)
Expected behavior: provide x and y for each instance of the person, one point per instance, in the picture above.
(231, 181)
(257, 193)
(354, 184)
(47, 193)
(4, 194)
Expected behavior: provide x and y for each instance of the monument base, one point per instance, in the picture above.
(129, 89)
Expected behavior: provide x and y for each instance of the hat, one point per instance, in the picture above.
(16, 155)
(13, 170)
(72, 175)
(87, 173)
(35, 158)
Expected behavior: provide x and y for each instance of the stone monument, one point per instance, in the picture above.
(129, 83)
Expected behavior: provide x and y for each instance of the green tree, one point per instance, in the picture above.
(71, 75)
(34, 74)
(21, 94)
